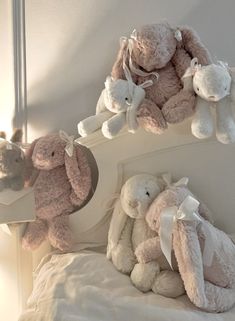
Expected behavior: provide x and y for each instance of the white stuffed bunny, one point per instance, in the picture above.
(128, 229)
(214, 87)
(116, 107)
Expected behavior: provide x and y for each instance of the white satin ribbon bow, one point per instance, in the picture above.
(69, 142)
(169, 216)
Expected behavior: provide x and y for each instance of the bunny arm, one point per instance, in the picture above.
(112, 126)
(179, 107)
(79, 174)
(150, 117)
(225, 125)
(93, 123)
(202, 123)
(148, 250)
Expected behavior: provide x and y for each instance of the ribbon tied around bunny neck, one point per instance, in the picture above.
(186, 212)
(69, 148)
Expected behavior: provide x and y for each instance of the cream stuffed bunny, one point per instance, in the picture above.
(116, 107)
(128, 229)
(214, 87)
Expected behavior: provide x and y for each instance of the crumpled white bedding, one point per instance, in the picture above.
(86, 287)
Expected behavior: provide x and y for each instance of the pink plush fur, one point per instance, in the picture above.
(211, 288)
(61, 183)
(156, 49)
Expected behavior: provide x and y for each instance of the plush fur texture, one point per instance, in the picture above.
(128, 229)
(211, 288)
(61, 183)
(155, 49)
(112, 110)
(214, 87)
(12, 162)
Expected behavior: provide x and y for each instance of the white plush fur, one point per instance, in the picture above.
(128, 229)
(115, 108)
(214, 87)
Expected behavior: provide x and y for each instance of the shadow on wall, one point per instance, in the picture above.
(70, 88)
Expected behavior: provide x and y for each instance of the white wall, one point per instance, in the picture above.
(71, 46)
(6, 66)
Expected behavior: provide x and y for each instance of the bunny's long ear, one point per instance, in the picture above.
(194, 46)
(31, 172)
(17, 136)
(117, 224)
(3, 135)
(232, 89)
(79, 174)
(187, 79)
(117, 70)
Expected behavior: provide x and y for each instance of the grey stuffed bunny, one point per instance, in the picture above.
(12, 162)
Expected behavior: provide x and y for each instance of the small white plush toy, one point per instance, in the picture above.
(214, 87)
(116, 107)
(128, 229)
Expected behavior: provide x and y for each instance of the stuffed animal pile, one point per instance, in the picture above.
(160, 234)
(12, 162)
(163, 75)
(163, 237)
(155, 57)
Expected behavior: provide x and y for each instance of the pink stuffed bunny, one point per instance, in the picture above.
(158, 49)
(62, 182)
(205, 255)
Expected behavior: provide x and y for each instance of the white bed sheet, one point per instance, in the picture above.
(86, 287)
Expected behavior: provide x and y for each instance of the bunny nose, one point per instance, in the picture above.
(133, 204)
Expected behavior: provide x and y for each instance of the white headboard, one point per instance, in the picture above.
(208, 164)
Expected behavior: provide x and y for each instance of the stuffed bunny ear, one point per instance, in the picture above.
(31, 172)
(193, 45)
(223, 64)
(117, 224)
(117, 70)
(79, 175)
(108, 82)
(3, 135)
(17, 136)
(187, 78)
